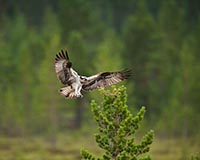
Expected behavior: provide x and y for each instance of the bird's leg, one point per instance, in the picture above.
(77, 88)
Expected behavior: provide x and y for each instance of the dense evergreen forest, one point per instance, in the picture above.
(159, 40)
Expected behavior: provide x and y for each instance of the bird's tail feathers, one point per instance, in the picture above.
(66, 91)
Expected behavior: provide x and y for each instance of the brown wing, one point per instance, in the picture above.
(62, 66)
(106, 79)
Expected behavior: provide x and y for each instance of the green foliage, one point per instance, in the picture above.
(158, 40)
(110, 49)
(46, 77)
(195, 157)
(75, 15)
(116, 128)
(181, 95)
(140, 43)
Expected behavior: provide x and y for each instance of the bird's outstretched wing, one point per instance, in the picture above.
(105, 79)
(62, 66)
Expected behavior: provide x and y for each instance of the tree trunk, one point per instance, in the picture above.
(79, 109)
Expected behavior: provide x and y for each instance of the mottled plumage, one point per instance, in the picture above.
(75, 83)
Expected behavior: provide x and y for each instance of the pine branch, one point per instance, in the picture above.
(116, 127)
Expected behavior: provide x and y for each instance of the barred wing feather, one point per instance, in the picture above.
(105, 79)
(62, 67)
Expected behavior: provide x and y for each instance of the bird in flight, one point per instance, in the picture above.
(75, 82)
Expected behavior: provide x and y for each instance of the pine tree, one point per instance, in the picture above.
(109, 52)
(140, 43)
(116, 128)
(45, 110)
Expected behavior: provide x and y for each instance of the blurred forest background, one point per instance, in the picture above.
(159, 40)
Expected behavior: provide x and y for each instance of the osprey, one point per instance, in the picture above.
(75, 83)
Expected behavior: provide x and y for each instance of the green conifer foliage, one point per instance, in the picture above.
(117, 127)
(195, 156)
